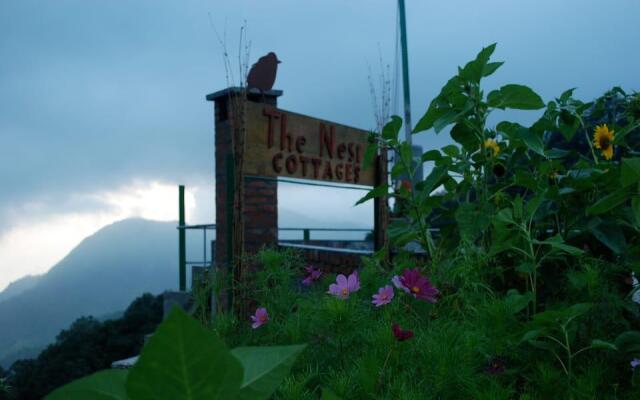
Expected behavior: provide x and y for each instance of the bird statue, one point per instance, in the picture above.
(262, 74)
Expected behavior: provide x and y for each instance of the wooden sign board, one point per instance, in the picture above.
(282, 143)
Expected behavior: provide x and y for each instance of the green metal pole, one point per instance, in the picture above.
(405, 72)
(182, 250)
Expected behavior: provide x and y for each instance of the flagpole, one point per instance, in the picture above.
(405, 72)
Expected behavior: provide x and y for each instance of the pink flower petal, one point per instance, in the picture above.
(353, 284)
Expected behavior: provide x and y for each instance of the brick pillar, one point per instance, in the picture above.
(260, 205)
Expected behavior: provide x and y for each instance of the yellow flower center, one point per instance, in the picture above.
(345, 292)
(383, 296)
(415, 289)
(263, 318)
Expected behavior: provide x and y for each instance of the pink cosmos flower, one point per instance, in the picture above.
(260, 318)
(398, 284)
(414, 283)
(344, 286)
(384, 296)
(400, 334)
(314, 275)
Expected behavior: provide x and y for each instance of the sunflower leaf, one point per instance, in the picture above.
(517, 97)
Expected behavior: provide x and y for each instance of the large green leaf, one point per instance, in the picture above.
(378, 191)
(630, 171)
(531, 140)
(264, 368)
(558, 243)
(490, 68)
(434, 112)
(184, 361)
(519, 134)
(611, 235)
(628, 342)
(103, 385)
(431, 155)
(465, 136)
(517, 302)
(328, 394)
(476, 69)
(370, 154)
(515, 96)
(392, 128)
(608, 202)
(602, 344)
(433, 180)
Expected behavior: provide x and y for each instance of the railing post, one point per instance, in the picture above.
(182, 251)
(306, 235)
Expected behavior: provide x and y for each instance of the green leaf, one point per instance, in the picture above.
(451, 150)
(557, 242)
(542, 345)
(184, 361)
(533, 141)
(531, 335)
(630, 171)
(370, 155)
(505, 216)
(444, 120)
(610, 235)
(431, 155)
(621, 134)
(526, 268)
(518, 97)
(517, 302)
(463, 135)
(490, 68)
(628, 342)
(557, 153)
(434, 179)
(475, 70)
(264, 369)
(601, 344)
(566, 95)
(378, 191)
(392, 128)
(608, 202)
(103, 385)
(328, 394)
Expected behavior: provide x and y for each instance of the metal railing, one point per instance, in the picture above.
(306, 232)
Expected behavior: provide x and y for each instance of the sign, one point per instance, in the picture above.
(282, 143)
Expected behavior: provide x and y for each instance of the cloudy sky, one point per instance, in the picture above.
(102, 109)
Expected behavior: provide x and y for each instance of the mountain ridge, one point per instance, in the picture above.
(101, 275)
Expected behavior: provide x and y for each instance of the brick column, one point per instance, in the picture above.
(260, 205)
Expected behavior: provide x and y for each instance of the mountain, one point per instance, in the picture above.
(101, 276)
(19, 286)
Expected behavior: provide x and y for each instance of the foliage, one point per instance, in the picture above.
(536, 240)
(87, 346)
(184, 360)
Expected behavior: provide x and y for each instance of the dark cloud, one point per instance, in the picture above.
(95, 94)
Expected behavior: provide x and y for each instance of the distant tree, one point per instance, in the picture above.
(4, 385)
(87, 346)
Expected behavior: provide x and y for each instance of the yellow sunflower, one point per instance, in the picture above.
(493, 145)
(603, 140)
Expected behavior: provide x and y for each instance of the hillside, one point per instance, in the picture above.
(102, 275)
(19, 286)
